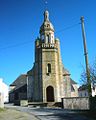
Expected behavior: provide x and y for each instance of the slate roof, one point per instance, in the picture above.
(83, 87)
(72, 81)
(20, 81)
(65, 72)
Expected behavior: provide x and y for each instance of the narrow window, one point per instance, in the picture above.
(72, 88)
(48, 38)
(42, 37)
(48, 68)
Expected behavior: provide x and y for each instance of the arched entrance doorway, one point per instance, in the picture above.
(50, 94)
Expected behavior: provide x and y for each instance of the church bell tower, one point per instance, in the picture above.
(49, 84)
(47, 30)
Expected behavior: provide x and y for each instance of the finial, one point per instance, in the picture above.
(46, 16)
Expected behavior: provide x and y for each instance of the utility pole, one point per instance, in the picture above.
(86, 57)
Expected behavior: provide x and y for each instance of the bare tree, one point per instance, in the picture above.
(92, 70)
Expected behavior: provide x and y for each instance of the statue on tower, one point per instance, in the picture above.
(46, 16)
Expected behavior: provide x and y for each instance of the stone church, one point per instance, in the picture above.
(48, 80)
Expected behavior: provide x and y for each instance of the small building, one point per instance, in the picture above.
(83, 90)
(3, 93)
(4, 89)
(1, 100)
(18, 89)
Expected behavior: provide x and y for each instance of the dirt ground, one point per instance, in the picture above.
(9, 114)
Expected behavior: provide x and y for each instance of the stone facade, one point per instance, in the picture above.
(48, 79)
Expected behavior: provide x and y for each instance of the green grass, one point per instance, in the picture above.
(1, 109)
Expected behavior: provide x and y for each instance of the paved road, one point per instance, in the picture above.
(50, 113)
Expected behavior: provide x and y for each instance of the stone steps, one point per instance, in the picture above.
(41, 104)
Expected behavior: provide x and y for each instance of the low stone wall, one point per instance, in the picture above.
(22, 103)
(76, 103)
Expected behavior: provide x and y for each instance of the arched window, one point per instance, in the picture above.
(48, 68)
(48, 39)
(42, 37)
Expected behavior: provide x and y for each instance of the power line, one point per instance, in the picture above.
(69, 27)
(24, 43)
(15, 45)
